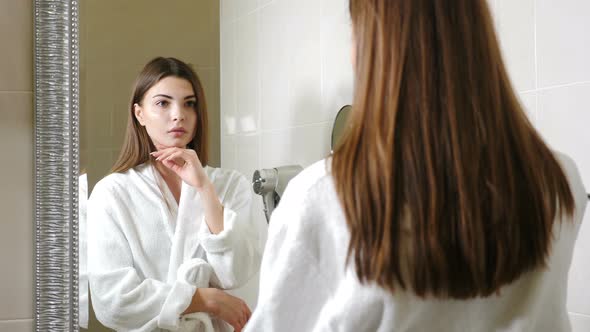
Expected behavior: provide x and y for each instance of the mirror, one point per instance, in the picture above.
(339, 126)
(274, 112)
(117, 39)
(87, 55)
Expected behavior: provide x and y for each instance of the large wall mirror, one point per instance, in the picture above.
(117, 38)
(87, 57)
(88, 54)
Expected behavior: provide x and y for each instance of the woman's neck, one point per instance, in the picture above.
(166, 173)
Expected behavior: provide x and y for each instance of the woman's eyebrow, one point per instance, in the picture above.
(160, 95)
(169, 97)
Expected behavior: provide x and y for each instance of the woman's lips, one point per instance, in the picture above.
(177, 132)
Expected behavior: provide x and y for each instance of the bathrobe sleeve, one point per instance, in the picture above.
(292, 287)
(233, 253)
(82, 253)
(123, 300)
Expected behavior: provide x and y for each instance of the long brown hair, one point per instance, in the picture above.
(447, 189)
(137, 144)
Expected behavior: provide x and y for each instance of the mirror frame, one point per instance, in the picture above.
(56, 158)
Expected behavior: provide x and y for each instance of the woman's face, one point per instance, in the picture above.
(168, 112)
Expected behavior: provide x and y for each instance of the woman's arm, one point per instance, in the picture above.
(233, 253)
(186, 164)
(213, 208)
(228, 235)
(218, 303)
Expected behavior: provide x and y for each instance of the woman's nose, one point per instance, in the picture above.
(178, 113)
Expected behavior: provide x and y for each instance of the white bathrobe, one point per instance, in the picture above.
(304, 285)
(147, 254)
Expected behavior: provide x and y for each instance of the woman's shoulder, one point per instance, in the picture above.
(312, 186)
(574, 177)
(120, 181)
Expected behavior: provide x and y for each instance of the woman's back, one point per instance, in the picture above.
(308, 242)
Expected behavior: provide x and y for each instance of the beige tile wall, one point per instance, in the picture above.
(16, 178)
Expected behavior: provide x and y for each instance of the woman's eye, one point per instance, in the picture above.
(162, 103)
(191, 103)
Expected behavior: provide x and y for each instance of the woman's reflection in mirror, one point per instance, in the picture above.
(167, 234)
(442, 209)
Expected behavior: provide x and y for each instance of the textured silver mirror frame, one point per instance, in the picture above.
(56, 164)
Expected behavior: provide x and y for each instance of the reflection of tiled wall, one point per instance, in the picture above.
(285, 71)
(16, 177)
(117, 39)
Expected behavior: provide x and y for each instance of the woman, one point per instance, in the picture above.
(442, 209)
(166, 232)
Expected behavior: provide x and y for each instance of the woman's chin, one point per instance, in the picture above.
(179, 144)
(173, 144)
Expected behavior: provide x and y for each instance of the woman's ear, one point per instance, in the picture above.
(137, 111)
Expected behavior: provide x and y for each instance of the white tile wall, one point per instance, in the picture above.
(580, 323)
(274, 53)
(564, 119)
(336, 51)
(297, 145)
(247, 73)
(563, 41)
(303, 76)
(244, 7)
(529, 102)
(228, 77)
(516, 26)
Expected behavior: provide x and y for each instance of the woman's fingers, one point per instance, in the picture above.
(176, 155)
(248, 311)
(238, 317)
(237, 325)
(245, 314)
(164, 154)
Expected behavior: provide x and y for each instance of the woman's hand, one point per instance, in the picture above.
(185, 163)
(222, 305)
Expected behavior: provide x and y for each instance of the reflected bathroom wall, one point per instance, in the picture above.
(117, 38)
(299, 52)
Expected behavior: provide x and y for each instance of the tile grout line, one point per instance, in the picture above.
(558, 86)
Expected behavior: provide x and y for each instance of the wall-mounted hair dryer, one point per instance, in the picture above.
(271, 184)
